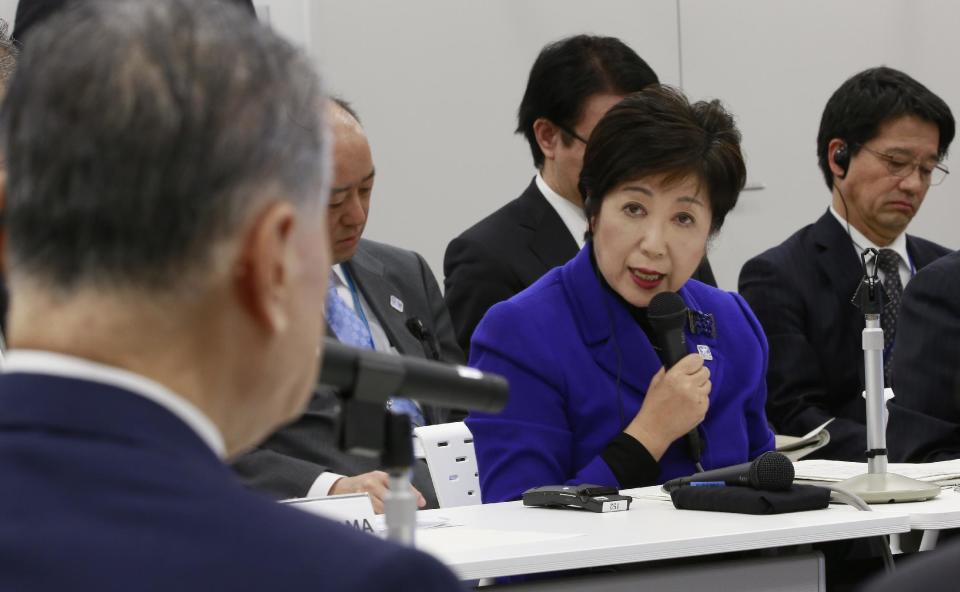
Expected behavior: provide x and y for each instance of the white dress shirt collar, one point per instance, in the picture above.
(571, 214)
(338, 271)
(381, 341)
(862, 243)
(53, 364)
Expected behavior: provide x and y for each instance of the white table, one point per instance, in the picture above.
(931, 516)
(509, 539)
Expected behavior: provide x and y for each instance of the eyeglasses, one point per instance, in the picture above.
(569, 132)
(901, 167)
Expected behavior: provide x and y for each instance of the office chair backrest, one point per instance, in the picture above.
(448, 450)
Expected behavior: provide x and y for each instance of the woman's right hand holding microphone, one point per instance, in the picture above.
(676, 402)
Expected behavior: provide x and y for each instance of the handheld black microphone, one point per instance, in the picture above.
(667, 314)
(771, 471)
(426, 338)
(362, 371)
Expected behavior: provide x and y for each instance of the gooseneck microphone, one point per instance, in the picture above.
(771, 471)
(445, 385)
(667, 314)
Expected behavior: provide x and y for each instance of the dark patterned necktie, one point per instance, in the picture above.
(888, 262)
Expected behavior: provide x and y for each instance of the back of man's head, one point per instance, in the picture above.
(8, 58)
(31, 13)
(570, 71)
(856, 111)
(140, 133)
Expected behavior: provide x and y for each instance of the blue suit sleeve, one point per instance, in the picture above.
(413, 571)
(530, 443)
(759, 435)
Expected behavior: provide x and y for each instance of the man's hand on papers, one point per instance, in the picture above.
(375, 484)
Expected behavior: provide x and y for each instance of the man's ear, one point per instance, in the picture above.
(838, 166)
(266, 264)
(547, 135)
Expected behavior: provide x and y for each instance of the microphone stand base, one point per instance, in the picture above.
(889, 488)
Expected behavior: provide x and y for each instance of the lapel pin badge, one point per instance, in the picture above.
(704, 351)
(702, 323)
(396, 303)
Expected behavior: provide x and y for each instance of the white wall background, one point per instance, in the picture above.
(437, 83)
(8, 9)
(775, 63)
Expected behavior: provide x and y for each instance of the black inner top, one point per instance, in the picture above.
(628, 459)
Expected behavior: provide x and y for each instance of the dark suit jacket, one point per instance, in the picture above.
(505, 253)
(926, 365)
(288, 462)
(926, 571)
(801, 291)
(106, 490)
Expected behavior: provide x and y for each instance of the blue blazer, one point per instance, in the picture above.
(557, 344)
(105, 490)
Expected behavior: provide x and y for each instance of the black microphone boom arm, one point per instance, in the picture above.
(366, 379)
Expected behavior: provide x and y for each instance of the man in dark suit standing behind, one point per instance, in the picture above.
(168, 248)
(572, 84)
(393, 300)
(882, 137)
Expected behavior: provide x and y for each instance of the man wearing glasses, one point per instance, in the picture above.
(572, 84)
(881, 141)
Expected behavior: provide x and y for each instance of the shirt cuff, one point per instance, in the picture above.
(321, 487)
(631, 462)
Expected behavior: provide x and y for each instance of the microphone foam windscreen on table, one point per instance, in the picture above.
(771, 471)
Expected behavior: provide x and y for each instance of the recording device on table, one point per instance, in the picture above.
(594, 498)
(667, 314)
(366, 379)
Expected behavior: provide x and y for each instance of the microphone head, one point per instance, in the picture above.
(771, 471)
(667, 311)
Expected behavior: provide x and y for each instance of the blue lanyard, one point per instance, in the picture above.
(357, 305)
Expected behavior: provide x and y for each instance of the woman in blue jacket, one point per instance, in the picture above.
(590, 401)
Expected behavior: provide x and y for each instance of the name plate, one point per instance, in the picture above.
(352, 509)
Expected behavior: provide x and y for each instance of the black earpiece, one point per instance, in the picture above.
(841, 156)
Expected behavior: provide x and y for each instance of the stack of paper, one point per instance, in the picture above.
(835, 470)
(797, 447)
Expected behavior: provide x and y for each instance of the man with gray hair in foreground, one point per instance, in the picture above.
(168, 259)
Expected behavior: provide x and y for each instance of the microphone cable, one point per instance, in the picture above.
(842, 495)
(846, 215)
